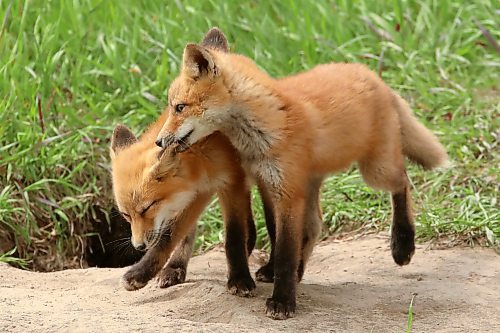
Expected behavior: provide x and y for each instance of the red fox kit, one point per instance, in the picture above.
(294, 131)
(162, 193)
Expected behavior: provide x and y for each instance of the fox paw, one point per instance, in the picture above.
(265, 273)
(403, 246)
(280, 310)
(243, 287)
(134, 279)
(170, 276)
(131, 284)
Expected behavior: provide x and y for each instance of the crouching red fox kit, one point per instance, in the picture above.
(292, 132)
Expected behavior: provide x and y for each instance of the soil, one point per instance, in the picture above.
(349, 286)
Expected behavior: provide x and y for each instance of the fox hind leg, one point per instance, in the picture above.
(313, 221)
(266, 272)
(402, 229)
(386, 171)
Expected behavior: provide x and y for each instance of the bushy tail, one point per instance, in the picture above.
(420, 145)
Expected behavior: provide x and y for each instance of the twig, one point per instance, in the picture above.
(347, 196)
(489, 37)
(379, 32)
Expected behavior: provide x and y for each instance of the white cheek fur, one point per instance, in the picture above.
(177, 203)
(199, 126)
(185, 128)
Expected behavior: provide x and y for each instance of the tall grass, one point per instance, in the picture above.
(71, 70)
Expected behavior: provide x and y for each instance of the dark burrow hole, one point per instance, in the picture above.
(111, 247)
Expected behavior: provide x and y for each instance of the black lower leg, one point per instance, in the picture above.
(266, 272)
(403, 230)
(282, 304)
(312, 222)
(239, 282)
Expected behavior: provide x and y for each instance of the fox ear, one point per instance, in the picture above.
(122, 138)
(215, 39)
(198, 62)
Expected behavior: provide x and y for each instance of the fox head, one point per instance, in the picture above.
(151, 186)
(198, 96)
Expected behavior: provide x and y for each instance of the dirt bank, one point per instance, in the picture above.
(349, 286)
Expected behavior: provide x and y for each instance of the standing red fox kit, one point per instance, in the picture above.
(292, 132)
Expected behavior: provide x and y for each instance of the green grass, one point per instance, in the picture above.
(88, 65)
(409, 323)
(9, 258)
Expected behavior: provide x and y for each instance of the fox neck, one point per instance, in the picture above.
(256, 118)
(255, 123)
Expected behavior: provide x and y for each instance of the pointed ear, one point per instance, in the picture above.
(215, 39)
(122, 138)
(198, 62)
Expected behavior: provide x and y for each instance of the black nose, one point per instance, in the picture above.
(141, 247)
(158, 143)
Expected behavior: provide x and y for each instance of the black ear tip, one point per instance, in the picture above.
(215, 39)
(159, 142)
(120, 128)
(122, 137)
(215, 29)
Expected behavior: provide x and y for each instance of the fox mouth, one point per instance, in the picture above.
(182, 143)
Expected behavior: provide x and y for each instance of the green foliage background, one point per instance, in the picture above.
(88, 65)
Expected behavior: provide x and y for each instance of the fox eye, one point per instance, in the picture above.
(150, 205)
(179, 107)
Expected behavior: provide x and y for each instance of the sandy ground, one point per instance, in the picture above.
(349, 286)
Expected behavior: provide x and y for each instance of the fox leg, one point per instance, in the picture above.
(175, 270)
(289, 227)
(313, 221)
(154, 260)
(384, 169)
(237, 213)
(266, 272)
(402, 229)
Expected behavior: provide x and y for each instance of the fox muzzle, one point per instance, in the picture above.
(166, 141)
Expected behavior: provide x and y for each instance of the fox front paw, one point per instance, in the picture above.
(243, 286)
(280, 310)
(170, 276)
(134, 279)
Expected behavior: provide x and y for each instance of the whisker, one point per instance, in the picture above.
(117, 246)
(126, 249)
(122, 244)
(118, 240)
